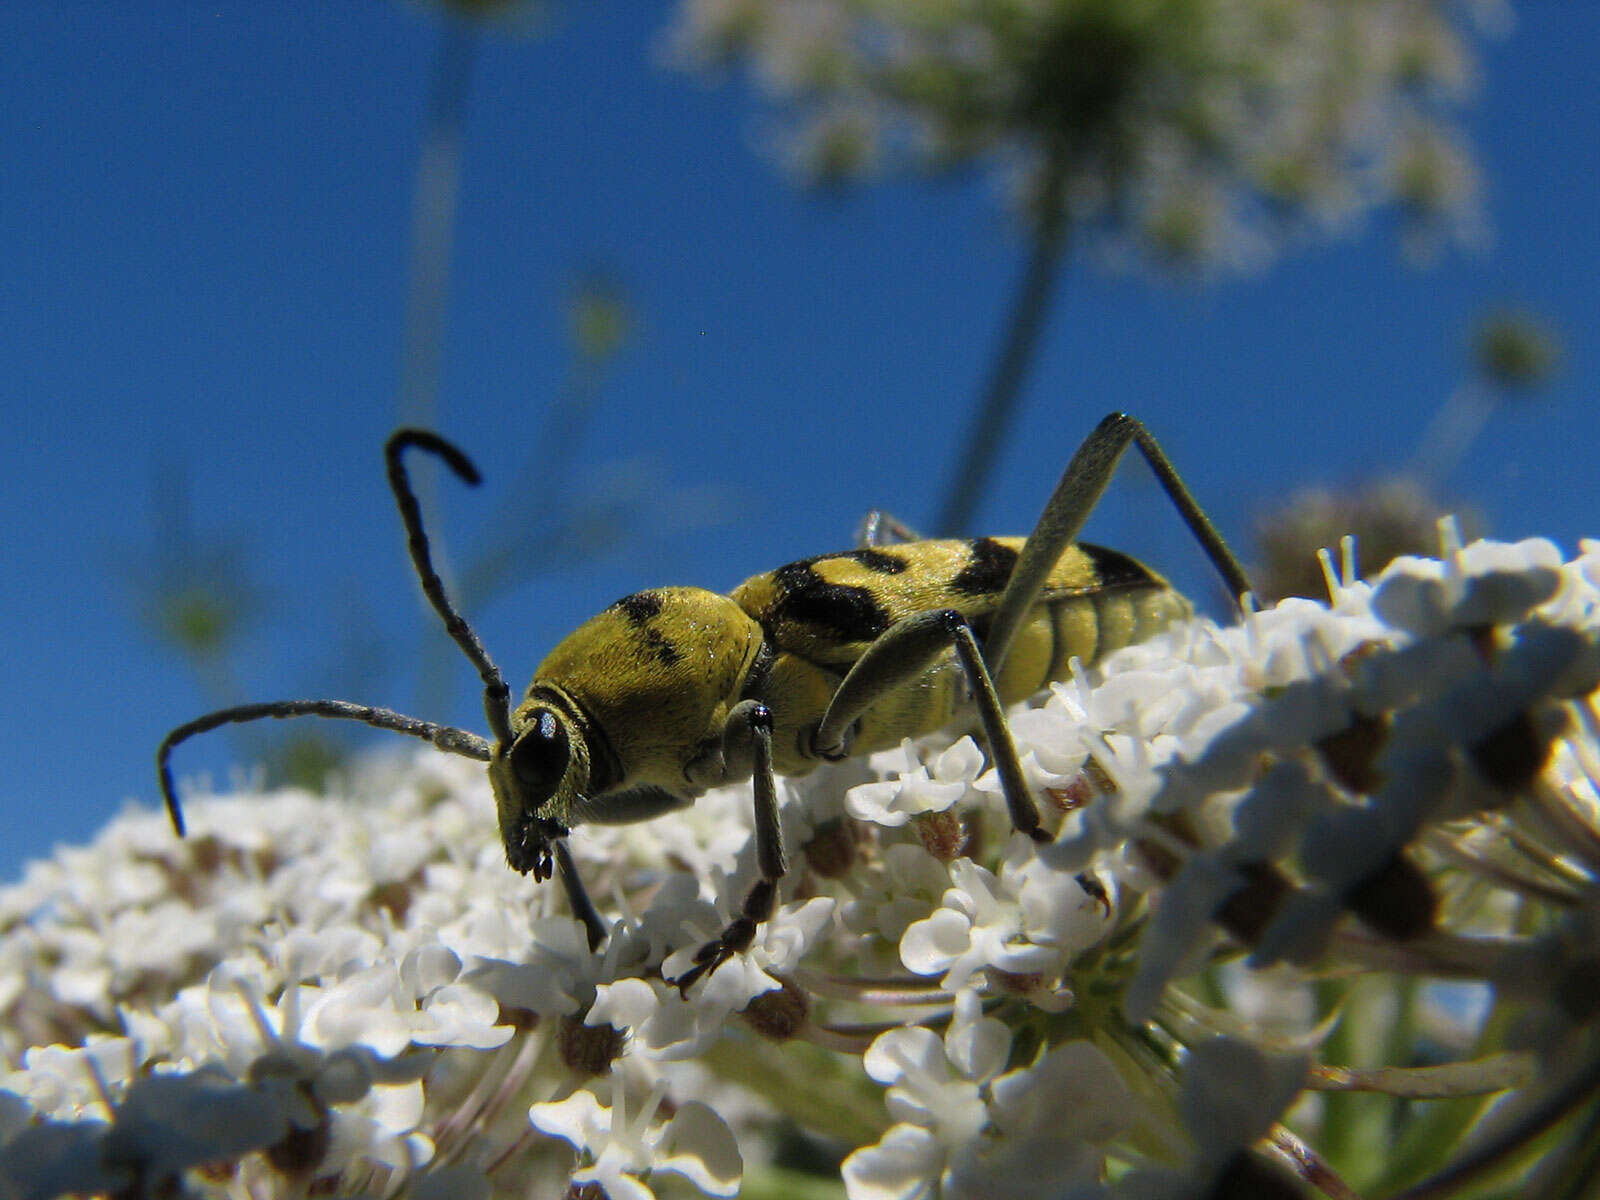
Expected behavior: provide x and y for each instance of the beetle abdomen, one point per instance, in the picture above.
(820, 614)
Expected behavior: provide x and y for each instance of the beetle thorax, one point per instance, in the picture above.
(654, 675)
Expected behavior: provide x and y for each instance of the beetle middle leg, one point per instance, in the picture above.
(900, 654)
(746, 750)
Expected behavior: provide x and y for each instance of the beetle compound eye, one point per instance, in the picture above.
(539, 757)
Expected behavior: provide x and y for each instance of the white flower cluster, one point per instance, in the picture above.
(1199, 131)
(352, 995)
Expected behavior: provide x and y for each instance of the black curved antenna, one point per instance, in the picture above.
(496, 697)
(445, 737)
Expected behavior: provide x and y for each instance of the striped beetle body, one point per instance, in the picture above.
(644, 690)
(819, 615)
(672, 691)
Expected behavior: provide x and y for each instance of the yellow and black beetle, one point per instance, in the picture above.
(672, 691)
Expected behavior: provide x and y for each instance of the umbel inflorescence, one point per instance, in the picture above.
(348, 994)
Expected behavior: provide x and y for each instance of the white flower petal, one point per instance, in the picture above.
(579, 1119)
(698, 1145)
(1232, 1093)
(932, 944)
(904, 1165)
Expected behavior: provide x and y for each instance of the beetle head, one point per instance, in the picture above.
(539, 782)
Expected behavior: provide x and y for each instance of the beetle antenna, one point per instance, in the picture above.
(445, 737)
(496, 696)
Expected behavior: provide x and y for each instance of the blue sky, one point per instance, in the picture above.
(206, 211)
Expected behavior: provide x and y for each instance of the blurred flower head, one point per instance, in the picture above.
(1189, 132)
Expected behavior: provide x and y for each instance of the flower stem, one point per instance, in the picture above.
(1003, 391)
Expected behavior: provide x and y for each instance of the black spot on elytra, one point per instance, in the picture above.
(1116, 569)
(639, 607)
(656, 642)
(988, 570)
(883, 562)
(850, 613)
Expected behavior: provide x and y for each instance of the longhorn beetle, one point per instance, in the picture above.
(672, 691)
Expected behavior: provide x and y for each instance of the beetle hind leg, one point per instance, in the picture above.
(1082, 484)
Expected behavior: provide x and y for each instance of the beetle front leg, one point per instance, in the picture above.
(583, 908)
(747, 739)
